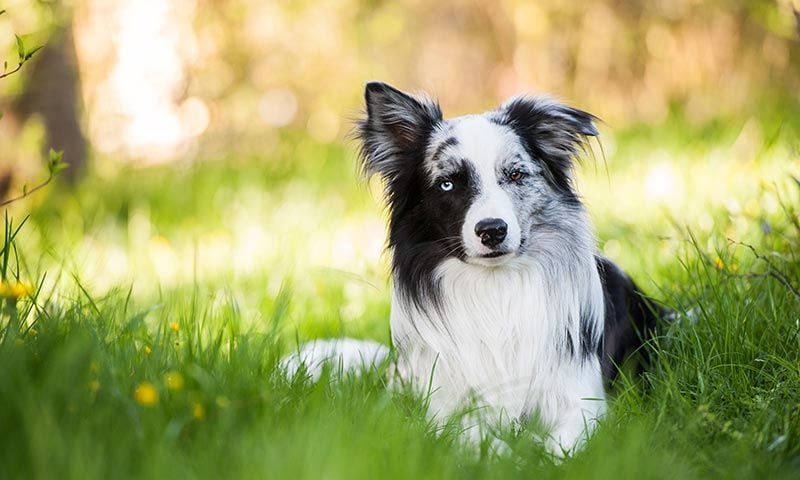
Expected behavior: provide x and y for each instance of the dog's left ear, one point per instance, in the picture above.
(552, 132)
(395, 129)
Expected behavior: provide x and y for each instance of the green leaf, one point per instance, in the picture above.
(20, 48)
(56, 156)
(29, 54)
(58, 168)
(55, 164)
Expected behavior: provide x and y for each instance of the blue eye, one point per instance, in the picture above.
(446, 185)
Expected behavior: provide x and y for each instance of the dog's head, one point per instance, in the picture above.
(481, 188)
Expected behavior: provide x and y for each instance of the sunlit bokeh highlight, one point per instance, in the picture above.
(135, 54)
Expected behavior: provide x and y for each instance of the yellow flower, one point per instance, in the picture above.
(174, 327)
(147, 350)
(198, 412)
(719, 264)
(146, 394)
(15, 291)
(94, 385)
(20, 290)
(174, 380)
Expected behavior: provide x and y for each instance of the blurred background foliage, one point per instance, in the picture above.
(159, 77)
(208, 139)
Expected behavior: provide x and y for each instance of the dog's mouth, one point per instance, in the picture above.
(496, 254)
(491, 259)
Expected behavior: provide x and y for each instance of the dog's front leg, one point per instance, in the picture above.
(575, 427)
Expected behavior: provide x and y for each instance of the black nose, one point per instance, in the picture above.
(492, 231)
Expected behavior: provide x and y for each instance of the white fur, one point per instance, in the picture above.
(496, 343)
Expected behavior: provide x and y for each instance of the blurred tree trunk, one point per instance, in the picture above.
(52, 91)
(5, 184)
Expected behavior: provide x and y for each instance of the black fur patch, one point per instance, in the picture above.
(428, 231)
(570, 345)
(631, 318)
(424, 221)
(449, 142)
(591, 339)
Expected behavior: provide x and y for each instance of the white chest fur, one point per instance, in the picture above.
(499, 338)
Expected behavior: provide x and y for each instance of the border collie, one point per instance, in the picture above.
(499, 297)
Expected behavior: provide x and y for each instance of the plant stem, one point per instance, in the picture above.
(29, 192)
(5, 74)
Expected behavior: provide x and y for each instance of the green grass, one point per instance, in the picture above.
(192, 283)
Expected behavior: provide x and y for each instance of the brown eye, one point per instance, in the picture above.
(516, 176)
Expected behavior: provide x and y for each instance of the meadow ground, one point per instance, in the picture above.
(163, 298)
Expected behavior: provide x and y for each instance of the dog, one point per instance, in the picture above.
(499, 297)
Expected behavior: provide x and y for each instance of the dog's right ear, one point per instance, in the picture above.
(395, 129)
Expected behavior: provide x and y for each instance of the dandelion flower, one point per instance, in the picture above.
(147, 350)
(20, 290)
(174, 380)
(146, 394)
(719, 264)
(198, 412)
(16, 290)
(174, 327)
